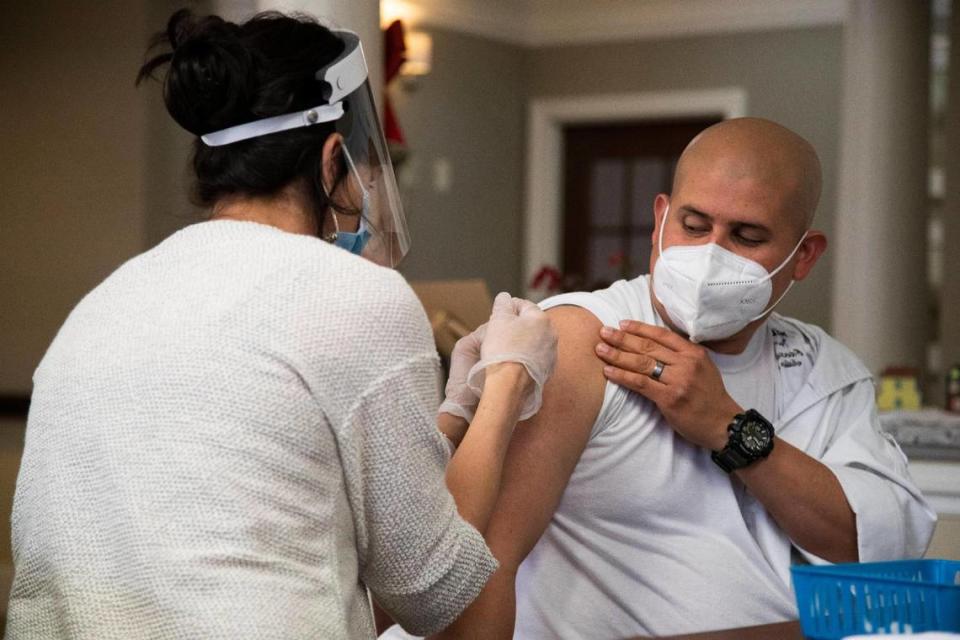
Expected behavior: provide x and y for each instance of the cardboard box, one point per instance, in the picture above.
(454, 308)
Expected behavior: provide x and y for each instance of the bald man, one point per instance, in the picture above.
(692, 444)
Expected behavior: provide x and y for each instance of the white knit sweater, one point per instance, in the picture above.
(231, 437)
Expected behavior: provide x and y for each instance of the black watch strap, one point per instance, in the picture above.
(738, 454)
(729, 459)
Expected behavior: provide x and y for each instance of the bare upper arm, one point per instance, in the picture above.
(545, 449)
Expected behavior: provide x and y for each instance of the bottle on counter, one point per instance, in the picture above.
(953, 389)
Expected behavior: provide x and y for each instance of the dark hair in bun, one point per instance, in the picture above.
(223, 74)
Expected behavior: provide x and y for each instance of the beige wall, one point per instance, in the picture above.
(467, 115)
(72, 131)
(791, 76)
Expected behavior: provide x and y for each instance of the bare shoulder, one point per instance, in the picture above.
(579, 374)
(579, 332)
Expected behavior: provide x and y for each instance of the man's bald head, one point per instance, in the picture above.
(762, 152)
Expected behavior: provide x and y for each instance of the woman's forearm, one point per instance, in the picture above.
(473, 475)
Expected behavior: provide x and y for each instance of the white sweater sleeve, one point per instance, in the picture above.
(423, 563)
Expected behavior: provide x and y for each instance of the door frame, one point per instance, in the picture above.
(546, 118)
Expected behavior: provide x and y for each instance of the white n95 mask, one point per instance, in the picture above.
(711, 293)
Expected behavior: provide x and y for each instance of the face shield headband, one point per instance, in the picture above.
(351, 107)
(342, 77)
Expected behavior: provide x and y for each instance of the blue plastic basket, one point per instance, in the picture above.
(906, 596)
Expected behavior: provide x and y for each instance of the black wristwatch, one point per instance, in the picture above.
(751, 439)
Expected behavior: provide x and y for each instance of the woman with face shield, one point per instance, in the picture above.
(235, 435)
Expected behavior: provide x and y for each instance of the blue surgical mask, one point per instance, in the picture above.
(354, 241)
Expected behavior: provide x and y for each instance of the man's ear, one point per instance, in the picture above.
(660, 204)
(809, 252)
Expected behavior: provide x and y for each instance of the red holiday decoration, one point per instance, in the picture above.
(547, 278)
(393, 49)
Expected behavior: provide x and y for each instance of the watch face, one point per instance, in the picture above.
(754, 437)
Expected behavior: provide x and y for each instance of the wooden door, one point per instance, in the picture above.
(612, 173)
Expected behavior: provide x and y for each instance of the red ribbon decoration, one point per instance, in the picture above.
(393, 50)
(549, 276)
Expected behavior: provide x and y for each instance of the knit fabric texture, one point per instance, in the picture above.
(234, 436)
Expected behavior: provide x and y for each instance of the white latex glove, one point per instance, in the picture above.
(459, 399)
(518, 331)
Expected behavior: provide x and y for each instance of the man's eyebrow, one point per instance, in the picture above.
(739, 224)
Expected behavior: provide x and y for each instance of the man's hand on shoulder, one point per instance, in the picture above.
(801, 494)
(675, 374)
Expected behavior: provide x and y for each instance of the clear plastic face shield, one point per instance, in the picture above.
(366, 161)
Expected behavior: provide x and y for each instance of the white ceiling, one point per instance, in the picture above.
(548, 22)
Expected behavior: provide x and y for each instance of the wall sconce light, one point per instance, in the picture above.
(411, 13)
(418, 54)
